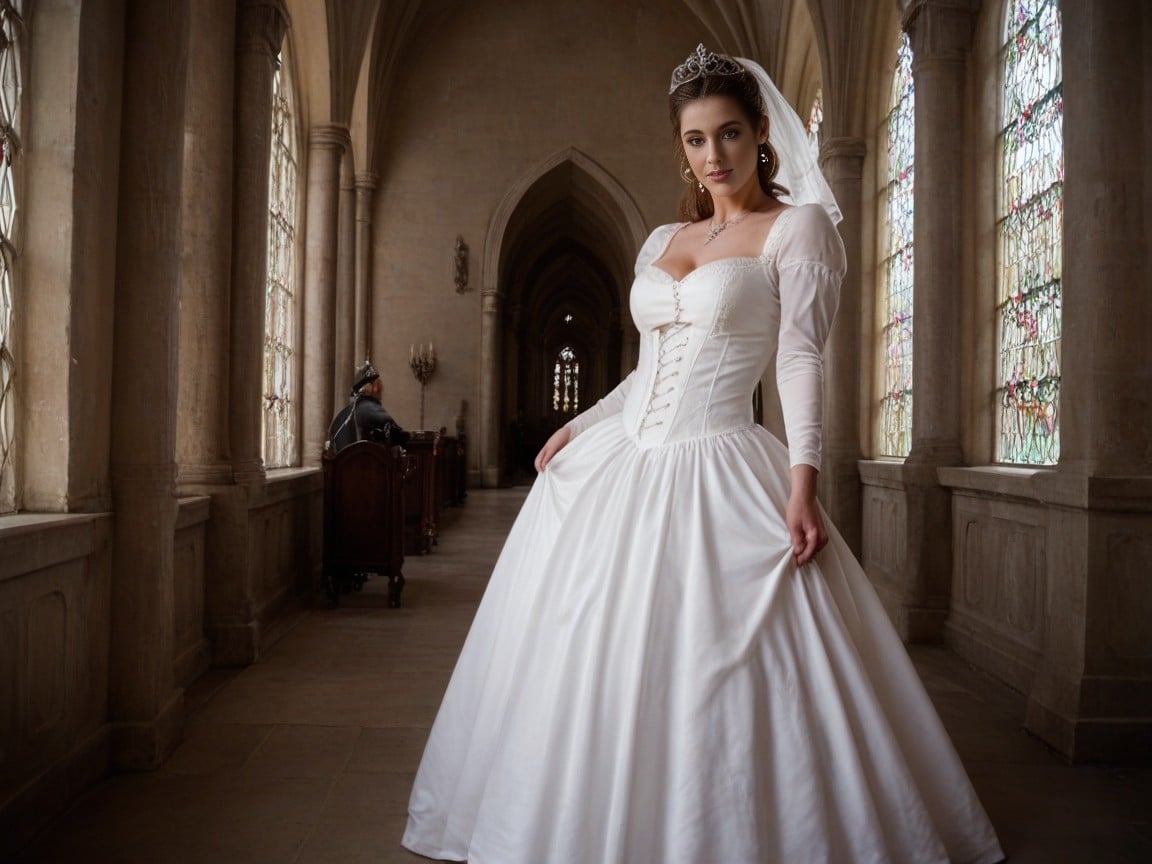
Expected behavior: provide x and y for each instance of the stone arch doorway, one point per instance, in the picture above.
(557, 268)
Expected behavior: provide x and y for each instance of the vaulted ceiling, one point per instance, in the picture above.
(367, 40)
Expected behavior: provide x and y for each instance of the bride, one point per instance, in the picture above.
(676, 660)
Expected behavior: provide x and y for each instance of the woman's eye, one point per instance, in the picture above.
(731, 133)
(695, 142)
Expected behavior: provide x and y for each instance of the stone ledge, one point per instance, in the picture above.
(192, 511)
(282, 484)
(34, 541)
(1053, 486)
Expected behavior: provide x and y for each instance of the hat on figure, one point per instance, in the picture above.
(364, 375)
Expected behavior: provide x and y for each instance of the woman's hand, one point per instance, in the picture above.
(552, 446)
(805, 524)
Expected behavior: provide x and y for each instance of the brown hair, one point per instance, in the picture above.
(696, 203)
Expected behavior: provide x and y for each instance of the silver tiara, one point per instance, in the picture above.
(703, 63)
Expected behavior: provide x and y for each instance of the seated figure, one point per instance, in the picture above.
(364, 418)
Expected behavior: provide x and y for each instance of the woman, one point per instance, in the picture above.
(675, 661)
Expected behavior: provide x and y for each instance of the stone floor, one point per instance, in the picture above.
(307, 756)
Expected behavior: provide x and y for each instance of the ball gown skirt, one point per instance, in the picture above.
(650, 678)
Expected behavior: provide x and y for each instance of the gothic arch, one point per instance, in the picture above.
(568, 185)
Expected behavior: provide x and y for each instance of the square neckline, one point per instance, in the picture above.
(727, 259)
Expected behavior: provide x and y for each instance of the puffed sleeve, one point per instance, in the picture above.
(613, 403)
(811, 265)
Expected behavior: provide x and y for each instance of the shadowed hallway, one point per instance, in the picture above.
(308, 755)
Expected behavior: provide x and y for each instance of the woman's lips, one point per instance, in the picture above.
(719, 175)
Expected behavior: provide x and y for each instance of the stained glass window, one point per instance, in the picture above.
(566, 382)
(815, 118)
(1031, 236)
(279, 418)
(11, 83)
(895, 340)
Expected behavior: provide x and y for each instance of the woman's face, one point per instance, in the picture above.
(721, 144)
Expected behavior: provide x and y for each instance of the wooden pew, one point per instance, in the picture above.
(364, 517)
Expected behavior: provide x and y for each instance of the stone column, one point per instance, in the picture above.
(941, 35)
(145, 706)
(1092, 691)
(260, 28)
(491, 312)
(229, 607)
(326, 143)
(365, 189)
(346, 359)
(206, 260)
(842, 160)
(1107, 376)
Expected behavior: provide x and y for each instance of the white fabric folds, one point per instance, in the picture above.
(650, 679)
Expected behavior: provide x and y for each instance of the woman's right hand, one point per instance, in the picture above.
(552, 446)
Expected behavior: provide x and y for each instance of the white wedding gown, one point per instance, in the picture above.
(650, 679)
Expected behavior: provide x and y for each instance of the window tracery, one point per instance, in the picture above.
(1030, 236)
(896, 217)
(815, 119)
(279, 415)
(566, 382)
(11, 85)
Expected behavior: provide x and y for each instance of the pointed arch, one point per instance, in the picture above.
(566, 194)
(588, 177)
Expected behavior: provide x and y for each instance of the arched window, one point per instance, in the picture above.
(279, 418)
(566, 382)
(11, 84)
(1031, 235)
(895, 307)
(815, 118)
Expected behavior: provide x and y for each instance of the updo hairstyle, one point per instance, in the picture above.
(696, 203)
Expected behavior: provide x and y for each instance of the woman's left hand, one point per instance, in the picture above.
(805, 523)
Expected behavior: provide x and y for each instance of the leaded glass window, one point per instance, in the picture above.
(815, 118)
(11, 83)
(895, 338)
(279, 416)
(1031, 236)
(566, 382)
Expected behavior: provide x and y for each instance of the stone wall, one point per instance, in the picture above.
(496, 92)
(1039, 576)
(55, 623)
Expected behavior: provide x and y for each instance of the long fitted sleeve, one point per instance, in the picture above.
(811, 266)
(611, 404)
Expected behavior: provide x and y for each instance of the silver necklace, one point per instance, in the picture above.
(715, 230)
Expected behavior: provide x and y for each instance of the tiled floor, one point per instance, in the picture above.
(307, 756)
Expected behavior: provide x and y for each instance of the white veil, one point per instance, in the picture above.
(799, 173)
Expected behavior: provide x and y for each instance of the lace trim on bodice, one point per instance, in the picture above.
(673, 340)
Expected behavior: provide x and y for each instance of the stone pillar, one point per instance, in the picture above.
(1107, 374)
(326, 143)
(491, 312)
(1092, 693)
(145, 706)
(365, 189)
(229, 605)
(941, 35)
(260, 28)
(346, 359)
(842, 160)
(206, 259)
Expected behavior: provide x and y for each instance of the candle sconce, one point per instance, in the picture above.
(422, 362)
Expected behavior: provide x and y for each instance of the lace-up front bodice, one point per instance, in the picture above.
(706, 339)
